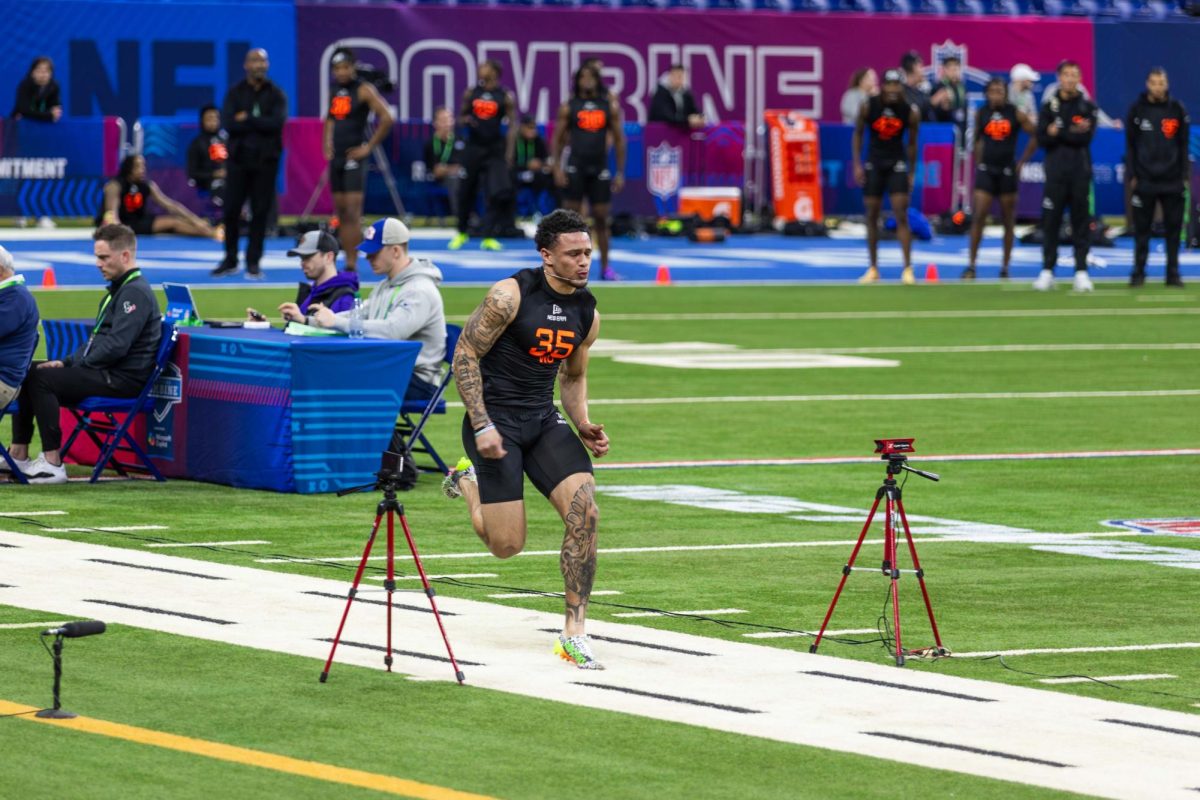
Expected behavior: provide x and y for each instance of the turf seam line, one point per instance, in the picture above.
(648, 645)
(400, 606)
(1148, 726)
(966, 748)
(901, 686)
(162, 611)
(668, 697)
(156, 569)
(411, 653)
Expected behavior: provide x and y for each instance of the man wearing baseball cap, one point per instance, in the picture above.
(1021, 79)
(317, 251)
(405, 304)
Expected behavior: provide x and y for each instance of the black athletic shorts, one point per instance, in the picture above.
(591, 182)
(886, 179)
(143, 225)
(346, 175)
(540, 444)
(996, 180)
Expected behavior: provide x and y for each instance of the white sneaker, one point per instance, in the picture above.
(22, 464)
(1082, 282)
(42, 471)
(1044, 281)
(45, 223)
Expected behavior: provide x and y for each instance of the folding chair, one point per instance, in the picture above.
(11, 408)
(413, 432)
(96, 417)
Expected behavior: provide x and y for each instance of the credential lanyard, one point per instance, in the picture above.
(15, 280)
(104, 304)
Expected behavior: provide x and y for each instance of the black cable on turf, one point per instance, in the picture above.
(20, 713)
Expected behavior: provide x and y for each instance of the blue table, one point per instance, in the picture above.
(263, 410)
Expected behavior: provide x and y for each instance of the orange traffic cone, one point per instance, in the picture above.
(664, 275)
(931, 273)
(48, 279)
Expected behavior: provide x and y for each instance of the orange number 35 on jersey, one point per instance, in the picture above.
(552, 345)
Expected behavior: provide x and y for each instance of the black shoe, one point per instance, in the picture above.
(225, 268)
(253, 272)
(1175, 281)
(1004, 273)
(968, 274)
(1137, 279)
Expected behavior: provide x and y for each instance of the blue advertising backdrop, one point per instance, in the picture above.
(1125, 52)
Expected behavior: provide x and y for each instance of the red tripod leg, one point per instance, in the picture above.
(390, 584)
(912, 549)
(412, 546)
(889, 550)
(350, 597)
(846, 573)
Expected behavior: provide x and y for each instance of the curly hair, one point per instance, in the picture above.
(555, 224)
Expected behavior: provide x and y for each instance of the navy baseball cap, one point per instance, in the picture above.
(383, 233)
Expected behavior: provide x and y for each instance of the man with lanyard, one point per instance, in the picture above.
(889, 167)
(1156, 161)
(347, 146)
(443, 157)
(254, 112)
(116, 360)
(530, 329)
(996, 175)
(405, 304)
(487, 156)
(1066, 124)
(586, 124)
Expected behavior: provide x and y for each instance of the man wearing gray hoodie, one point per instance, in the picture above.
(406, 304)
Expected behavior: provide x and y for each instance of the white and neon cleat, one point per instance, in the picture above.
(578, 651)
(463, 470)
(1083, 283)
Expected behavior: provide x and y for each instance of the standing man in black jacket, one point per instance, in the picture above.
(254, 113)
(1066, 125)
(116, 360)
(673, 101)
(1156, 161)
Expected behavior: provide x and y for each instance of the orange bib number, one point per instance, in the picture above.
(552, 345)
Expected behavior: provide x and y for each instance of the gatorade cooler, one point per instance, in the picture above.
(709, 202)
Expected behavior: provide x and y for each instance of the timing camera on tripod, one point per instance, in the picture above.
(387, 480)
(895, 453)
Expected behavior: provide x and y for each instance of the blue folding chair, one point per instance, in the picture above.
(96, 417)
(11, 408)
(413, 431)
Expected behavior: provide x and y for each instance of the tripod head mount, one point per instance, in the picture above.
(894, 452)
(387, 479)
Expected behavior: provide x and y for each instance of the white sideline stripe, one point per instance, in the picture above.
(929, 314)
(548, 595)
(12, 626)
(207, 544)
(102, 529)
(33, 513)
(871, 398)
(792, 634)
(1037, 651)
(994, 348)
(434, 577)
(711, 612)
(602, 550)
(1109, 678)
(784, 462)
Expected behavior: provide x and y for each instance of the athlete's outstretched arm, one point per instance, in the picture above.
(572, 380)
(485, 325)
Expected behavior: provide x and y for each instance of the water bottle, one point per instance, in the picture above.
(357, 316)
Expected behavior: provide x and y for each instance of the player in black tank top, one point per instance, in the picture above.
(487, 157)
(347, 146)
(997, 172)
(530, 329)
(128, 195)
(891, 159)
(586, 123)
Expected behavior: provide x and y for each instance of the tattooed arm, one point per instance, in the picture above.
(483, 328)
(572, 380)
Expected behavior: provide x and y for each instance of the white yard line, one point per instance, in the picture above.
(205, 544)
(33, 513)
(434, 577)
(107, 528)
(897, 314)
(1108, 678)
(547, 595)
(787, 462)
(12, 626)
(1051, 739)
(710, 612)
(794, 634)
(1037, 651)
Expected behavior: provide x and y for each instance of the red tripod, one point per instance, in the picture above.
(390, 506)
(893, 452)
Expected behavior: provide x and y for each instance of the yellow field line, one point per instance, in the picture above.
(254, 758)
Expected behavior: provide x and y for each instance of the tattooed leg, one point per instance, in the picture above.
(578, 558)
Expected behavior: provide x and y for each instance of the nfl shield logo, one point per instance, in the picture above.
(663, 170)
(1177, 526)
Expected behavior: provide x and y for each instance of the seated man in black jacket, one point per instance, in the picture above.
(116, 360)
(673, 101)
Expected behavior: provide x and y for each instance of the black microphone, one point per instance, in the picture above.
(73, 630)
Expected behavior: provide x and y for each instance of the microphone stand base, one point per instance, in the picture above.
(55, 713)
